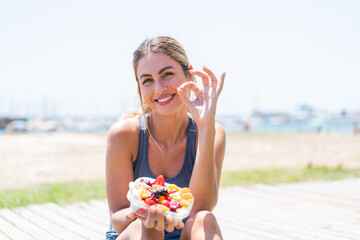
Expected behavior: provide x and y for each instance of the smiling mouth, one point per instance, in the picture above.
(165, 100)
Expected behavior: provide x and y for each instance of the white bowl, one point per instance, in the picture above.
(136, 204)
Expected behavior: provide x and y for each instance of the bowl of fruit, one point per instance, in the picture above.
(145, 192)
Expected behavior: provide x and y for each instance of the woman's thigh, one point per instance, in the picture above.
(137, 231)
(133, 231)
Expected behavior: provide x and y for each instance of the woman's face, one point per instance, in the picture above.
(159, 77)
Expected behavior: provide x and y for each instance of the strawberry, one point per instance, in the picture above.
(165, 203)
(160, 180)
(149, 201)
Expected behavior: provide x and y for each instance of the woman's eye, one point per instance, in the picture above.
(147, 80)
(167, 74)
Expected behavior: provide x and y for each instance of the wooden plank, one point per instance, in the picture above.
(266, 222)
(29, 228)
(254, 230)
(248, 204)
(235, 234)
(91, 210)
(57, 230)
(100, 204)
(66, 223)
(286, 200)
(337, 191)
(308, 197)
(71, 215)
(351, 227)
(3, 237)
(282, 227)
(100, 219)
(13, 232)
(266, 207)
(288, 212)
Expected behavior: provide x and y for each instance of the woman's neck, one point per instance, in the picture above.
(168, 130)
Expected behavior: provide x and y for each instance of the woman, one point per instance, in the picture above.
(164, 140)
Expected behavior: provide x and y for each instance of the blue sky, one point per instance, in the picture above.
(75, 57)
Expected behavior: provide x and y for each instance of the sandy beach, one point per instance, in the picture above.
(31, 159)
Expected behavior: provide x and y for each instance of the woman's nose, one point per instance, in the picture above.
(160, 86)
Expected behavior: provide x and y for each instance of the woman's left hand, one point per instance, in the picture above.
(155, 218)
(203, 107)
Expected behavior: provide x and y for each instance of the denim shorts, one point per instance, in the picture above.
(111, 234)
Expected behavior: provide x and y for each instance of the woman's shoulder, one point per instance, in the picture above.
(127, 125)
(124, 130)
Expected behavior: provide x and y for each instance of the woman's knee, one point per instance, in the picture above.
(133, 231)
(203, 225)
(205, 218)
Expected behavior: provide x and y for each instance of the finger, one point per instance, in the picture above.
(131, 215)
(193, 87)
(160, 225)
(142, 212)
(170, 224)
(183, 97)
(180, 225)
(221, 84)
(214, 81)
(204, 77)
(150, 222)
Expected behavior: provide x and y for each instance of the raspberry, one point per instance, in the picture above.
(147, 182)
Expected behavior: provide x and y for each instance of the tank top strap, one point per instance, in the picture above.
(142, 153)
(191, 144)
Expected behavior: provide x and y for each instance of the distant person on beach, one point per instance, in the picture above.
(246, 126)
(173, 136)
(356, 129)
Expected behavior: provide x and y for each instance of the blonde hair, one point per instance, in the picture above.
(160, 44)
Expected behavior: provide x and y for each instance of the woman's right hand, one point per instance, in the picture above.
(154, 218)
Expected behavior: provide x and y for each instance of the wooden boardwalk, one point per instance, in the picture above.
(308, 211)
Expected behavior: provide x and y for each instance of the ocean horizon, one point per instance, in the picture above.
(305, 126)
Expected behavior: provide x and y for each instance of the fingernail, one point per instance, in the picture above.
(142, 212)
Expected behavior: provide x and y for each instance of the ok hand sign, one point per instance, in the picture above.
(203, 107)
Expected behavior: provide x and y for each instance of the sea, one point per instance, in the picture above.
(311, 125)
(330, 126)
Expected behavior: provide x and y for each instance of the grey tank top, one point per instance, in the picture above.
(141, 166)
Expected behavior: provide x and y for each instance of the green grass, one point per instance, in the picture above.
(62, 193)
(59, 193)
(286, 175)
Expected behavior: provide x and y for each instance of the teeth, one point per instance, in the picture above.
(164, 99)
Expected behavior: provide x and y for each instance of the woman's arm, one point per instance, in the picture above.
(121, 142)
(205, 178)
